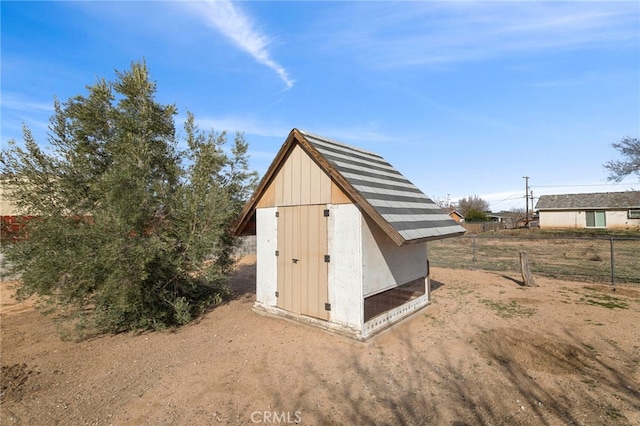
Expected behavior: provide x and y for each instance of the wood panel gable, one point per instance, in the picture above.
(300, 181)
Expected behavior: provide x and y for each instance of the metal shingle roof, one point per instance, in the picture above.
(401, 204)
(596, 200)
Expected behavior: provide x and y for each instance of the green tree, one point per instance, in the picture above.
(629, 148)
(474, 215)
(132, 227)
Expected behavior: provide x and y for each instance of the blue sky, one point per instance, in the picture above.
(464, 98)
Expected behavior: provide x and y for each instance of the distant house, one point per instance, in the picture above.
(608, 210)
(341, 237)
(506, 219)
(456, 215)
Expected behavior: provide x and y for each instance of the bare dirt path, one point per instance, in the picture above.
(487, 351)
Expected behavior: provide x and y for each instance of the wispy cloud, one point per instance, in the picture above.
(18, 102)
(586, 79)
(18, 110)
(238, 26)
(367, 134)
(246, 124)
(438, 33)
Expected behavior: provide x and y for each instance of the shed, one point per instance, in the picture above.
(456, 215)
(610, 210)
(341, 237)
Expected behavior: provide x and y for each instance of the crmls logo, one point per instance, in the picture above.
(275, 417)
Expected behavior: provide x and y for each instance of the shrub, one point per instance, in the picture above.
(133, 224)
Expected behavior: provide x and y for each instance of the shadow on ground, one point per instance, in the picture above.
(408, 387)
(243, 281)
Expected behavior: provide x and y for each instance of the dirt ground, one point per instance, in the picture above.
(486, 351)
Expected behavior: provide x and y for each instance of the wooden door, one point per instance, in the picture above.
(302, 267)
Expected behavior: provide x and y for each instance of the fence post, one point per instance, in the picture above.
(613, 265)
(527, 278)
(474, 252)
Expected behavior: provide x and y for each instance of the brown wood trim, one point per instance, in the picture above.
(266, 180)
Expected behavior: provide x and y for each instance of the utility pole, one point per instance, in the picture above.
(533, 209)
(526, 200)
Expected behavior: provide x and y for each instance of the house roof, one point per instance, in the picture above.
(402, 210)
(596, 200)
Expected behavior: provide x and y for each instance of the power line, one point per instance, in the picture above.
(512, 196)
(586, 184)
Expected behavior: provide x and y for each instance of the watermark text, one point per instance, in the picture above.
(276, 417)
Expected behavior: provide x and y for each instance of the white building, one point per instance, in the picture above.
(609, 210)
(341, 237)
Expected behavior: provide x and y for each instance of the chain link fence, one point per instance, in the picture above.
(601, 260)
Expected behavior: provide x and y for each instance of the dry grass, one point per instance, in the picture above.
(565, 257)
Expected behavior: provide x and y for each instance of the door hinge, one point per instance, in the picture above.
(326, 213)
(277, 214)
(277, 294)
(327, 306)
(327, 258)
(277, 253)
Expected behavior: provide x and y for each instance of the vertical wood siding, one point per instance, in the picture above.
(301, 182)
(302, 271)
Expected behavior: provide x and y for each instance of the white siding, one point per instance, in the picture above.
(615, 219)
(345, 267)
(385, 265)
(266, 246)
(562, 219)
(620, 219)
